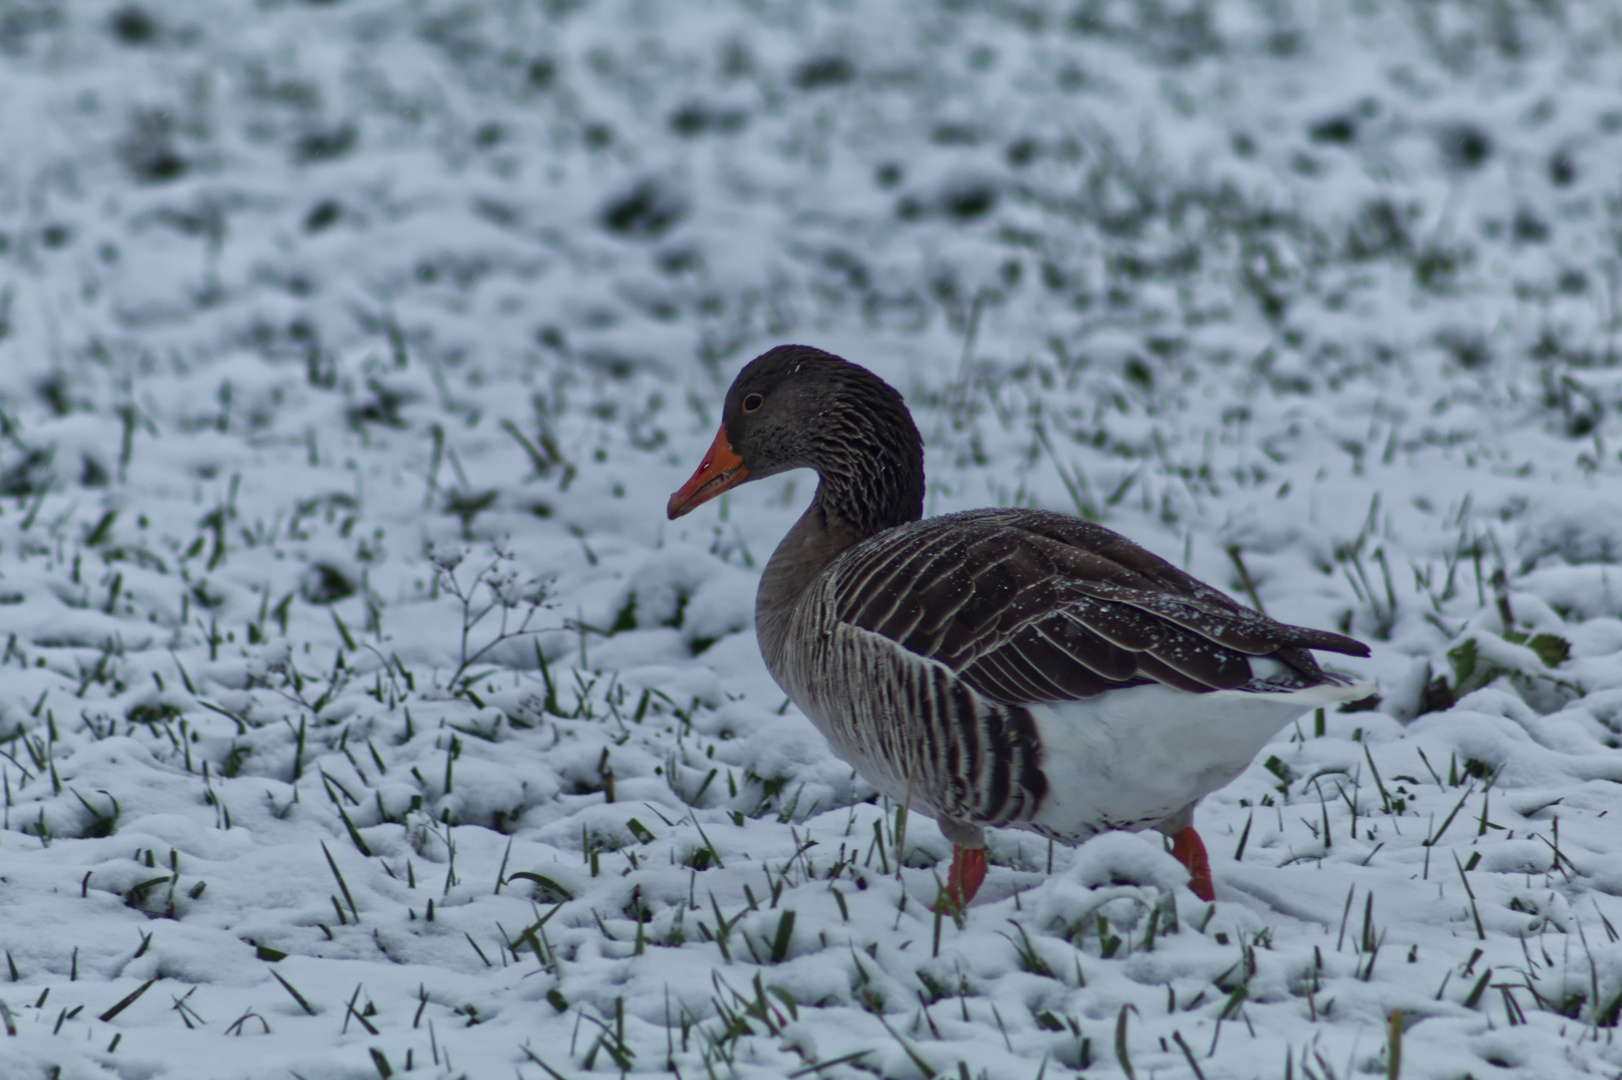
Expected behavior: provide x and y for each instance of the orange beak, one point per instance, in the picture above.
(721, 469)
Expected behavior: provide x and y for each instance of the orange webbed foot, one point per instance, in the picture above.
(963, 880)
(1189, 850)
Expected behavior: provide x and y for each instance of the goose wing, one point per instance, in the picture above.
(1028, 606)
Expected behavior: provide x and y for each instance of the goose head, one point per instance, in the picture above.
(799, 407)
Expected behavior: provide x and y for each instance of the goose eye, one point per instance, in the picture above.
(751, 402)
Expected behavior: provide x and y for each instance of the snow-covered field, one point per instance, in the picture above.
(361, 715)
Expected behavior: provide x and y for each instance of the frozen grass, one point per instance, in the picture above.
(361, 715)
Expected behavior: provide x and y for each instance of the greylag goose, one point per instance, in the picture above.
(1011, 668)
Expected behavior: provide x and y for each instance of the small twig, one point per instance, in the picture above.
(1246, 581)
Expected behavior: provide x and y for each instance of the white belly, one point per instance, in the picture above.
(1129, 758)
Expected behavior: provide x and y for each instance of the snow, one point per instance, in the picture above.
(362, 715)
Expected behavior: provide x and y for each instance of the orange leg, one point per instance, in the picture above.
(1189, 850)
(963, 880)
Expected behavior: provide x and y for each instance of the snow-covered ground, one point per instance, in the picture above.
(361, 715)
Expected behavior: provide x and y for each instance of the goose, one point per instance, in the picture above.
(1001, 667)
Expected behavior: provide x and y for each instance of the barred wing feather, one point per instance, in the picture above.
(1028, 606)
